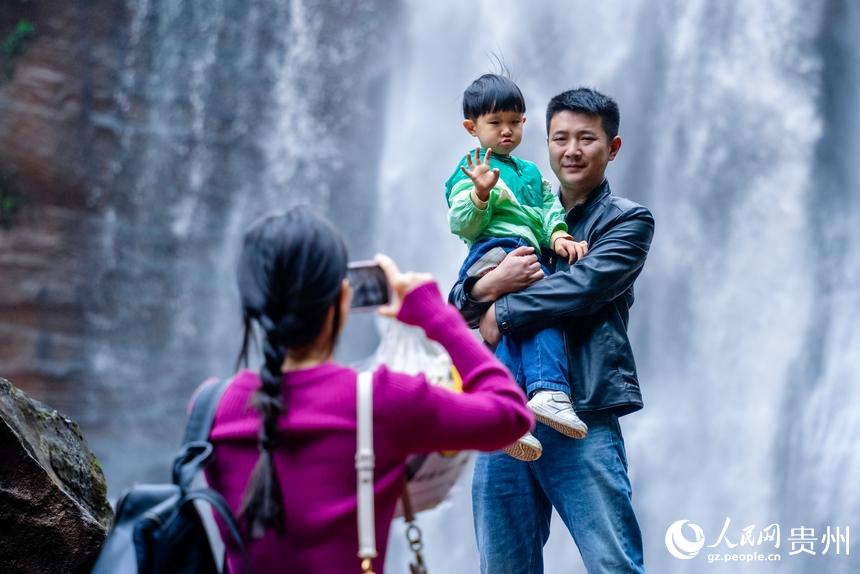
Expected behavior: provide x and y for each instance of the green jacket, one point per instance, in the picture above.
(521, 204)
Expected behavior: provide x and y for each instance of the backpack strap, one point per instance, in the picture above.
(203, 412)
(195, 454)
(196, 451)
(364, 463)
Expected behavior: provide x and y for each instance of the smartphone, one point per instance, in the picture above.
(369, 286)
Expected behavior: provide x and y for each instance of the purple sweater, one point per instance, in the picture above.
(315, 457)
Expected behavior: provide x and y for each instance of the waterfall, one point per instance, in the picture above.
(738, 121)
(179, 123)
(820, 428)
(224, 111)
(150, 133)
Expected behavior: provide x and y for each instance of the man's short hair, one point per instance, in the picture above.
(587, 101)
(492, 93)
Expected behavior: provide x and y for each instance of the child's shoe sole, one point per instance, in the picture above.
(525, 449)
(573, 430)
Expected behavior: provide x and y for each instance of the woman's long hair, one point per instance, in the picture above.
(290, 274)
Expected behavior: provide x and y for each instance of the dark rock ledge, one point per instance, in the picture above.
(54, 512)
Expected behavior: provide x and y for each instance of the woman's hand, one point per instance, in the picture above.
(401, 284)
(519, 269)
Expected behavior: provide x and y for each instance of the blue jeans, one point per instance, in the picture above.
(585, 480)
(545, 365)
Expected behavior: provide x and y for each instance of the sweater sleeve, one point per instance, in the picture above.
(490, 412)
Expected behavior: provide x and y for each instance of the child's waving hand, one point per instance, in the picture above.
(480, 173)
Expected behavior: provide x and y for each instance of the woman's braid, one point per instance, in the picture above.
(263, 505)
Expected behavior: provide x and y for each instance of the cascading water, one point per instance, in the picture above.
(738, 121)
(189, 119)
(246, 109)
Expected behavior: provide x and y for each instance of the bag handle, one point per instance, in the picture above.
(364, 463)
(413, 533)
(191, 459)
(219, 504)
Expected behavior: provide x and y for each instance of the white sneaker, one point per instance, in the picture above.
(553, 408)
(527, 448)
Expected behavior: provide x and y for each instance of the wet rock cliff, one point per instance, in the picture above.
(137, 140)
(54, 512)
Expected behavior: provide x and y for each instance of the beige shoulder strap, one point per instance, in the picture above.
(364, 463)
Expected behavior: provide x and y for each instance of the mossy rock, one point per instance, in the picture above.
(54, 512)
(15, 44)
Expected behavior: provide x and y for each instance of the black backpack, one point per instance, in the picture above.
(157, 528)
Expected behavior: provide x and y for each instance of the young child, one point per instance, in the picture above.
(496, 204)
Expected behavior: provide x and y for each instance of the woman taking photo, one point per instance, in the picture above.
(285, 438)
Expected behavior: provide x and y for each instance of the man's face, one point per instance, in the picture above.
(579, 150)
(500, 131)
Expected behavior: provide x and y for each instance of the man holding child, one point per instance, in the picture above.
(586, 297)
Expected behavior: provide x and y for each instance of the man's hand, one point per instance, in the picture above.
(480, 174)
(519, 269)
(489, 328)
(573, 250)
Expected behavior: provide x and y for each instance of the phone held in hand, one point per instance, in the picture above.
(369, 286)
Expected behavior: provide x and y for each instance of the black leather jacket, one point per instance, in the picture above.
(589, 301)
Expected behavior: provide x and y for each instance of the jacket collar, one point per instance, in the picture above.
(596, 195)
(508, 159)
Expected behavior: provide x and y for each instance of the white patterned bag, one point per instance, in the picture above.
(406, 349)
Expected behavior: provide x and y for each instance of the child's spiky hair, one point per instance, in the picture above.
(492, 93)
